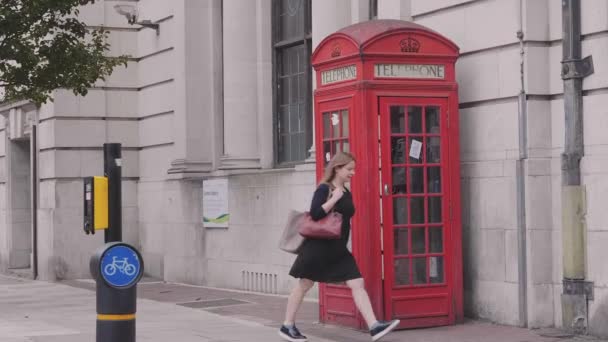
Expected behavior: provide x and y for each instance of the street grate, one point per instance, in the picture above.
(214, 303)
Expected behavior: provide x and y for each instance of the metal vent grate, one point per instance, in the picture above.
(260, 282)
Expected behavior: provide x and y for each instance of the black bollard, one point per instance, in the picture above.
(116, 267)
(116, 311)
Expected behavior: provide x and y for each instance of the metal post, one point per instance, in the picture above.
(576, 290)
(34, 185)
(112, 165)
(520, 179)
(573, 87)
(116, 266)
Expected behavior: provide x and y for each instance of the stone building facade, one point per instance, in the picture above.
(201, 99)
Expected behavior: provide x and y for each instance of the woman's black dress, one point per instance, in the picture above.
(322, 260)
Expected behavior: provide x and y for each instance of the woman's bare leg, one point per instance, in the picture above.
(295, 299)
(362, 301)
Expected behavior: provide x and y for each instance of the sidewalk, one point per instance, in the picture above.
(37, 311)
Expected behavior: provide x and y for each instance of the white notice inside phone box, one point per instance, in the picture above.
(415, 149)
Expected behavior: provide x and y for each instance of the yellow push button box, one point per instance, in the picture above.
(95, 204)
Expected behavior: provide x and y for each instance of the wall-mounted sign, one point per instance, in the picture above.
(339, 74)
(215, 203)
(432, 71)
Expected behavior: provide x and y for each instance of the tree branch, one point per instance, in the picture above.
(44, 47)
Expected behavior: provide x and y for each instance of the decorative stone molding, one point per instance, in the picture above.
(183, 166)
(19, 116)
(5, 107)
(233, 163)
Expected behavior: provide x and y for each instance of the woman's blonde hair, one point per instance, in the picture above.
(339, 160)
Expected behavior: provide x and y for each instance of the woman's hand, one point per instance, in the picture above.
(337, 194)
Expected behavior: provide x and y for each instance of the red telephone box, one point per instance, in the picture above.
(386, 92)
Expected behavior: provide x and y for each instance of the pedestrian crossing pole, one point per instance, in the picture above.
(116, 266)
(112, 167)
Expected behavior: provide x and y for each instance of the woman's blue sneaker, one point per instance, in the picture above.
(291, 334)
(382, 328)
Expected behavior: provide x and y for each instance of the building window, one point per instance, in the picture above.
(292, 80)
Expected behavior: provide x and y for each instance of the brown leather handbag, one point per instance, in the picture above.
(329, 227)
(300, 226)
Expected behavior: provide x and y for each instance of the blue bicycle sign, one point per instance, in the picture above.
(120, 265)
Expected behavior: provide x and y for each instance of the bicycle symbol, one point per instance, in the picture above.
(119, 265)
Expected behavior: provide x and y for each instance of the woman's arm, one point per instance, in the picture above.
(320, 205)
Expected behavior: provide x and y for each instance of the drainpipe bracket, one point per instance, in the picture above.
(578, 287)
(577, 68)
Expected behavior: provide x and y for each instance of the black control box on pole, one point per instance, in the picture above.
(112, 166)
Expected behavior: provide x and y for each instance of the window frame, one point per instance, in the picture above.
(278, 46)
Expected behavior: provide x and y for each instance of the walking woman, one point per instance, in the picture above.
(329, 261)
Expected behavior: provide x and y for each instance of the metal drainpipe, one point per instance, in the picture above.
(34, 194)
(576, 291)
(522, 111)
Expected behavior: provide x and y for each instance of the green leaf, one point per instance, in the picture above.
(43, 47)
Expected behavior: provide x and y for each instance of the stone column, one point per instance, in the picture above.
(241, 143)
(359, 10)
(199, 86)
(328, 16)
(395, 9)
(19, 190)
(264, 82)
